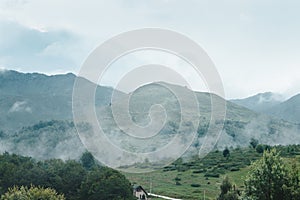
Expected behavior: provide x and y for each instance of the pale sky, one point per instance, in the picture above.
(254, 44)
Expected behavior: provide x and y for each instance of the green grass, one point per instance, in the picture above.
(164, 183)
(189, 180)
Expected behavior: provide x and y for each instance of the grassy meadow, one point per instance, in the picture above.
(201, 178)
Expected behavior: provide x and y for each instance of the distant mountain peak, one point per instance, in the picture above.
(260, 101)
(269, 97)
(288, 110)
(274, 105)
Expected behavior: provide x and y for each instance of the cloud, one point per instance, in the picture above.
(20, 106)
(270, 97)
(247, 40)
(2, 69)
(38, 50)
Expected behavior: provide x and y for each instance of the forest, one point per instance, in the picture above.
(84, 179)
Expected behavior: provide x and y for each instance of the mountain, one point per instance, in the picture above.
(288, 110)
(27, 98)
(260, 102)
(36, 111)
(240, 125)
(273, 105)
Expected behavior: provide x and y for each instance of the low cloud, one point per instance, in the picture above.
(271, 97)
(2, 70)
(20, 106)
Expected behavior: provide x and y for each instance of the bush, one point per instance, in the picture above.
(228, 191)
(260, 148)
(33, 193)
(213, 175)
(234, 169)
(177, 183)
(199, 171)
(195, 185)
(253, 143)
(226, 152)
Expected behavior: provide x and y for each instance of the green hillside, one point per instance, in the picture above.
(190, 180)
(27, 98)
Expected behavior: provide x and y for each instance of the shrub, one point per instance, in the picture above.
(32, 193)
(260, 148)
(226, 152)
(213, 175)
(199, 171)
(253, 143)
(228, 191)
(234, 169)
(195, 185)
(177, 183)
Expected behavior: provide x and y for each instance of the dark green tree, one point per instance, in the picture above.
(226, 153)
(67, 178)
(253, 143)
(260, 148)
(103, 183)
(87, 160)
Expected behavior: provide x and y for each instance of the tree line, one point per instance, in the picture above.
(74, 180)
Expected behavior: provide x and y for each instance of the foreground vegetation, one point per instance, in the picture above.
(241, 173)
(269, 178)
(32, 193)
(74, 180)
(198, 178)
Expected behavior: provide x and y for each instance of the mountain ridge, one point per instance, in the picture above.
(273, 105)
(27, 99)
(288, 110)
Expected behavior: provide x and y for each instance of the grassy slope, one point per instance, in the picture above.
(164, 183)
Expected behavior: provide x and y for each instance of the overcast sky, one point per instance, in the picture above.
(255, 44)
